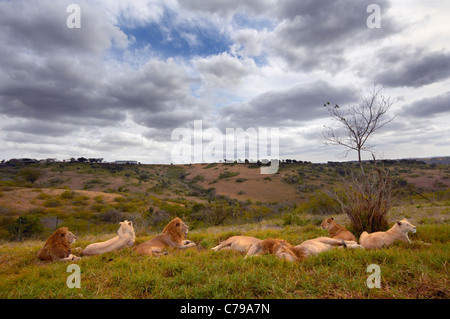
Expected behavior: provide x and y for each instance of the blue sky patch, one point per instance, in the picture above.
(169, 40)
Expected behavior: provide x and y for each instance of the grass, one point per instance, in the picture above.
(407, 271)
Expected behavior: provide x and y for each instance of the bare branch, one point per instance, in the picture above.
(359, 122)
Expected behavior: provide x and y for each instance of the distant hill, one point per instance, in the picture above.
(294, 182)
(437, 160)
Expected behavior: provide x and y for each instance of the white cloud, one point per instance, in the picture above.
(106, 88)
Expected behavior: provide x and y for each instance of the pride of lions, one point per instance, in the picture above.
(58, 245)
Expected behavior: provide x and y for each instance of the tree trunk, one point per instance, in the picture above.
(360, 162)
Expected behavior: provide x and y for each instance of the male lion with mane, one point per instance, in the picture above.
(173, 235)
(58, 246)
(278, 247)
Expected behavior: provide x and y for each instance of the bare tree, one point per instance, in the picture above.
(356, 124)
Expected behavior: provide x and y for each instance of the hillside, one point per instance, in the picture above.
(292, 182)
(95, 196)
(217, 201)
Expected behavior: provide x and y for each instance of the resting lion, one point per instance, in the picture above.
(58, 246)
(382, 239)
(238, 243)
(173, 235)
(278, 247)
(321, 244)
(125, 238)
(337, 231)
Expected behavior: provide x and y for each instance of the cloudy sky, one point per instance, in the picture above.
(136, 70)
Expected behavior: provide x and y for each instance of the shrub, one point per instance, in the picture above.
(43, 196)
(52, 203)
(320, 204)
(366, 199)
(30, 174)
(294, 219)
(80, 200)
(67, 195)
(111, 216)
(25, 227)
(198, 178)
(228, 174)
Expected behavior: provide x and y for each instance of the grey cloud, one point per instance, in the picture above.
(228, 7)
(41, 26)
(155, 87)
(223, 70)
(412, 68)
(47, 74)
(289, 107)
(41, 128)
(157, 96)
(428, 107)
(317, 34)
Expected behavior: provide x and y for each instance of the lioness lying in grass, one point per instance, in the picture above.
(381, 239)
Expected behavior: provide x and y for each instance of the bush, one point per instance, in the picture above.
(111, 216)
(25, 227)
(366, 200)
(228, 174)
(30, 174)
(320, 204)
(52, 203)
(67, 195)
(295, 219)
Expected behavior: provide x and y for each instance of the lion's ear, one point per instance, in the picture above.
(177, 224)
(129, 223)
(399, 223)
(332, 218)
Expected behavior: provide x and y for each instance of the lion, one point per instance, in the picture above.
(173, 235)
(125, 238)
(238, 243)
(58, 246)
(337, 231)
(278, 247)
(383, 239)
(320, 244)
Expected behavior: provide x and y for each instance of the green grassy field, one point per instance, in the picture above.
(90, 200)
(407, 270)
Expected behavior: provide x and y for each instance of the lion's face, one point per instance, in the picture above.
(181, 225)
(176, 229)
(71, 238)
(63, 235)
(406, 226)
(126, 228)
(327, 223)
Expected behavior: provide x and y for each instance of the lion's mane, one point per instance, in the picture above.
(57, 246)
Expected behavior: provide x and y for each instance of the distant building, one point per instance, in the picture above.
(126, 162)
